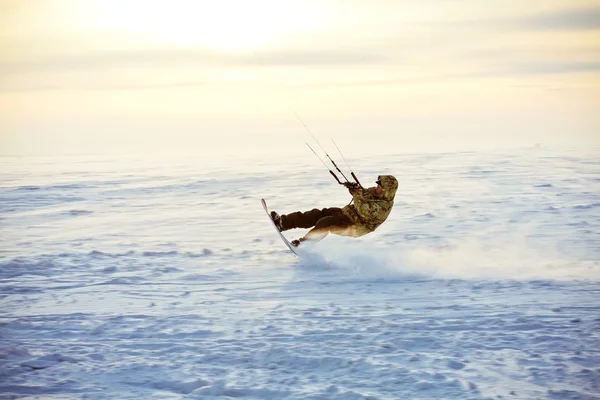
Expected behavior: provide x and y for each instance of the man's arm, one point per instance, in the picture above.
(353, 187)
(365, 195)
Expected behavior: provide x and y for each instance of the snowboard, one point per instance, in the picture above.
(287, 243)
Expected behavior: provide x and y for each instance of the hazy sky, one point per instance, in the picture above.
(195, 75)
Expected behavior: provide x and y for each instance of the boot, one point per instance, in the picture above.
(277, 220)
(297, 242)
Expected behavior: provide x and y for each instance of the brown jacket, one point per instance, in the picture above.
(369, 210)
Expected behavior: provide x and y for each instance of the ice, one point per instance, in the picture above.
(152, 277)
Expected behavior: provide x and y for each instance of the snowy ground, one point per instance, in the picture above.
(158, 278)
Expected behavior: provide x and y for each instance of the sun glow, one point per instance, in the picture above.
(229, 25)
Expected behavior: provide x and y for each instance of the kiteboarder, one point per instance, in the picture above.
(370, 209)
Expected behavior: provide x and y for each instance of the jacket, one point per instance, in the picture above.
(369, 210)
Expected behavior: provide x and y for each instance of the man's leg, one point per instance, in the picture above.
(307, 219)
(336, 224)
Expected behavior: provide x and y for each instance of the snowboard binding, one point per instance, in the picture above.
(277, 220)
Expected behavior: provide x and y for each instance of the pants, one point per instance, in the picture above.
(324, 221)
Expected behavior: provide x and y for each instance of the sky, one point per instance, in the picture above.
(118, 76)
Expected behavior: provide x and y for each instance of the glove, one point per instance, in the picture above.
(351, 185)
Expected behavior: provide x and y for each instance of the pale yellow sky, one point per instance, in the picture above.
(135, 75)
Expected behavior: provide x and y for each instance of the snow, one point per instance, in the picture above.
(160, 278)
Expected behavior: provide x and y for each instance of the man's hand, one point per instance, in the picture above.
(351, 185)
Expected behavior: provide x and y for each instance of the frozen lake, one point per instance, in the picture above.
(160, 278)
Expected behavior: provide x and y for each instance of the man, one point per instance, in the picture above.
(370, 209)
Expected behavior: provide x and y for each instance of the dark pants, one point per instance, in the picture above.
(324, 221)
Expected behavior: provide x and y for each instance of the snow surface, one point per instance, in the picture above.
(160, 278)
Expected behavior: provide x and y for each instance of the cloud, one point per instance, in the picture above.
(573, 19)
(100, 87)
(556, 67)
(422, 78)
(312, 57)
(430, 52)
(530, 59)
(182, 58)
(535, 52)
(199, 65)
(567, 19)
